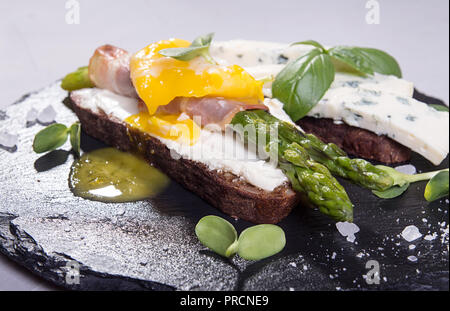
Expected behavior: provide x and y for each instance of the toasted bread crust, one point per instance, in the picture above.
(222, 190)
(356, 141)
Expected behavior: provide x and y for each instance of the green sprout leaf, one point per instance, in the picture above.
(217, 234)
(303, 82)
(77, 80)
(50, 138)
(439, 107)
(366, 60)
(254, 243)
(75, 137)
(261, 241)
(402, 182)
(392, 192)
(198, 47)
(437, 187)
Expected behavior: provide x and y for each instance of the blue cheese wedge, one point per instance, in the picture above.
(379, 103)
(404, 119)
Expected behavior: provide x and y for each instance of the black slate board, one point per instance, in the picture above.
(151, 245)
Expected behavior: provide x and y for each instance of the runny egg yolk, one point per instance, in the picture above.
(159, 79)
(180, 128)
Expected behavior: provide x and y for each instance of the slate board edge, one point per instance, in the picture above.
(16, 244)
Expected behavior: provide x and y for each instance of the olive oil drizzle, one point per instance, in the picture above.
(110, 175)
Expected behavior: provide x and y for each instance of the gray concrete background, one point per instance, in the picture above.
(37, 46)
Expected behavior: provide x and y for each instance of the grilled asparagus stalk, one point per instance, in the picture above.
(306, 175)
(359, 171)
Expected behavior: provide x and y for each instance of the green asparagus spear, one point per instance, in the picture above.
(336, 160)
(76, 80)
(306, 175)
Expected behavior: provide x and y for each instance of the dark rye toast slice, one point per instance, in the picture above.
(356, 141)
(362, 143)
(223, 190)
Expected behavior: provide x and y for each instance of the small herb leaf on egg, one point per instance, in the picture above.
(198, 47)
(203, 40)
(50, 138)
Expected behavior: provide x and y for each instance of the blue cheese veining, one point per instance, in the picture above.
(379, 103)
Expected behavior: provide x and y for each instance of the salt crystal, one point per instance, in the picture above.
(430, 237)
(293, 264)
(347, 229)
(411, 233)
(291, 289)
(412, 258)
(333, 256)
(47, 115)
(412, 246)
(8, 140)
(406, 169)
(32, 115)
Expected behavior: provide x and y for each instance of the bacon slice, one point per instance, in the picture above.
(209, 110)
(109, 68)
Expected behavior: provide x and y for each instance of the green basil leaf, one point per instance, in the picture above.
(437, 187)
(184, 54)
(392, 192)
(367, 60)
(303, 82)
(75, 137)
(76, 80)
(311, 42)
(198, 47)
(261, 241)
(50, 138)
(217, 234)
(203, 40)
(439, 107)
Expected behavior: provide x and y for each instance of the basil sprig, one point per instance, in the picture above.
(303, 82)
(55, 135)
(254, 243)
(199, 47)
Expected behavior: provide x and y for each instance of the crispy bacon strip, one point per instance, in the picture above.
(109, 68)
(209, 110)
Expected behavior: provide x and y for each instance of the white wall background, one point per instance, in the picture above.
(37, 46)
